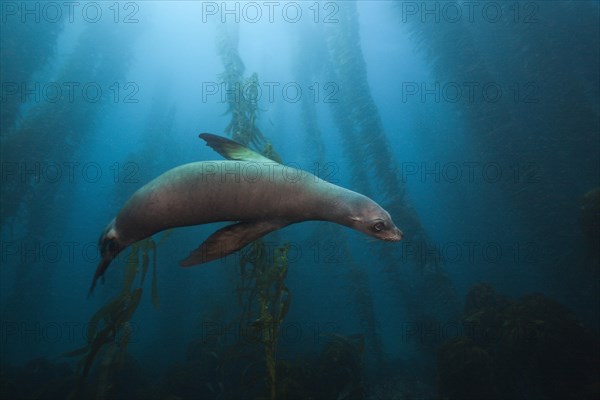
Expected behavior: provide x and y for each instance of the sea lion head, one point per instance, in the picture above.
(371, 219)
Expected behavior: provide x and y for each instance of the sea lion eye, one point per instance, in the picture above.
(379, 226)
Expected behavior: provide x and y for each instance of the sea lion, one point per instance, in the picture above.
(260, 195)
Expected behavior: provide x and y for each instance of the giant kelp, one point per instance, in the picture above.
(361, 130)
(241, 98)
(263, 280)
(307, 70)
(537, 54)
(263, 296)
(109, 330)
(50, 135)
(532, 347)
(52, 131)
(215, 370)
(26, 46)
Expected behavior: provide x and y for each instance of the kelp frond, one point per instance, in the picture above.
(109, 328)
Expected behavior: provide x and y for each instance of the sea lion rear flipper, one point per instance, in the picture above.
(102, 266)
(230, 239)
(232, 150)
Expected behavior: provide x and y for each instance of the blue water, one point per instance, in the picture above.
(490, 119)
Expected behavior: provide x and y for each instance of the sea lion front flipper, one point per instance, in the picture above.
(230, 239)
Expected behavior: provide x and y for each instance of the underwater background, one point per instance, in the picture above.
(475, 124)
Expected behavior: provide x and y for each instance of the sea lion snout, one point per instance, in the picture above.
(399, 235)
(396, 237)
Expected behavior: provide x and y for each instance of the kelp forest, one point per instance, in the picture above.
(475, 126)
